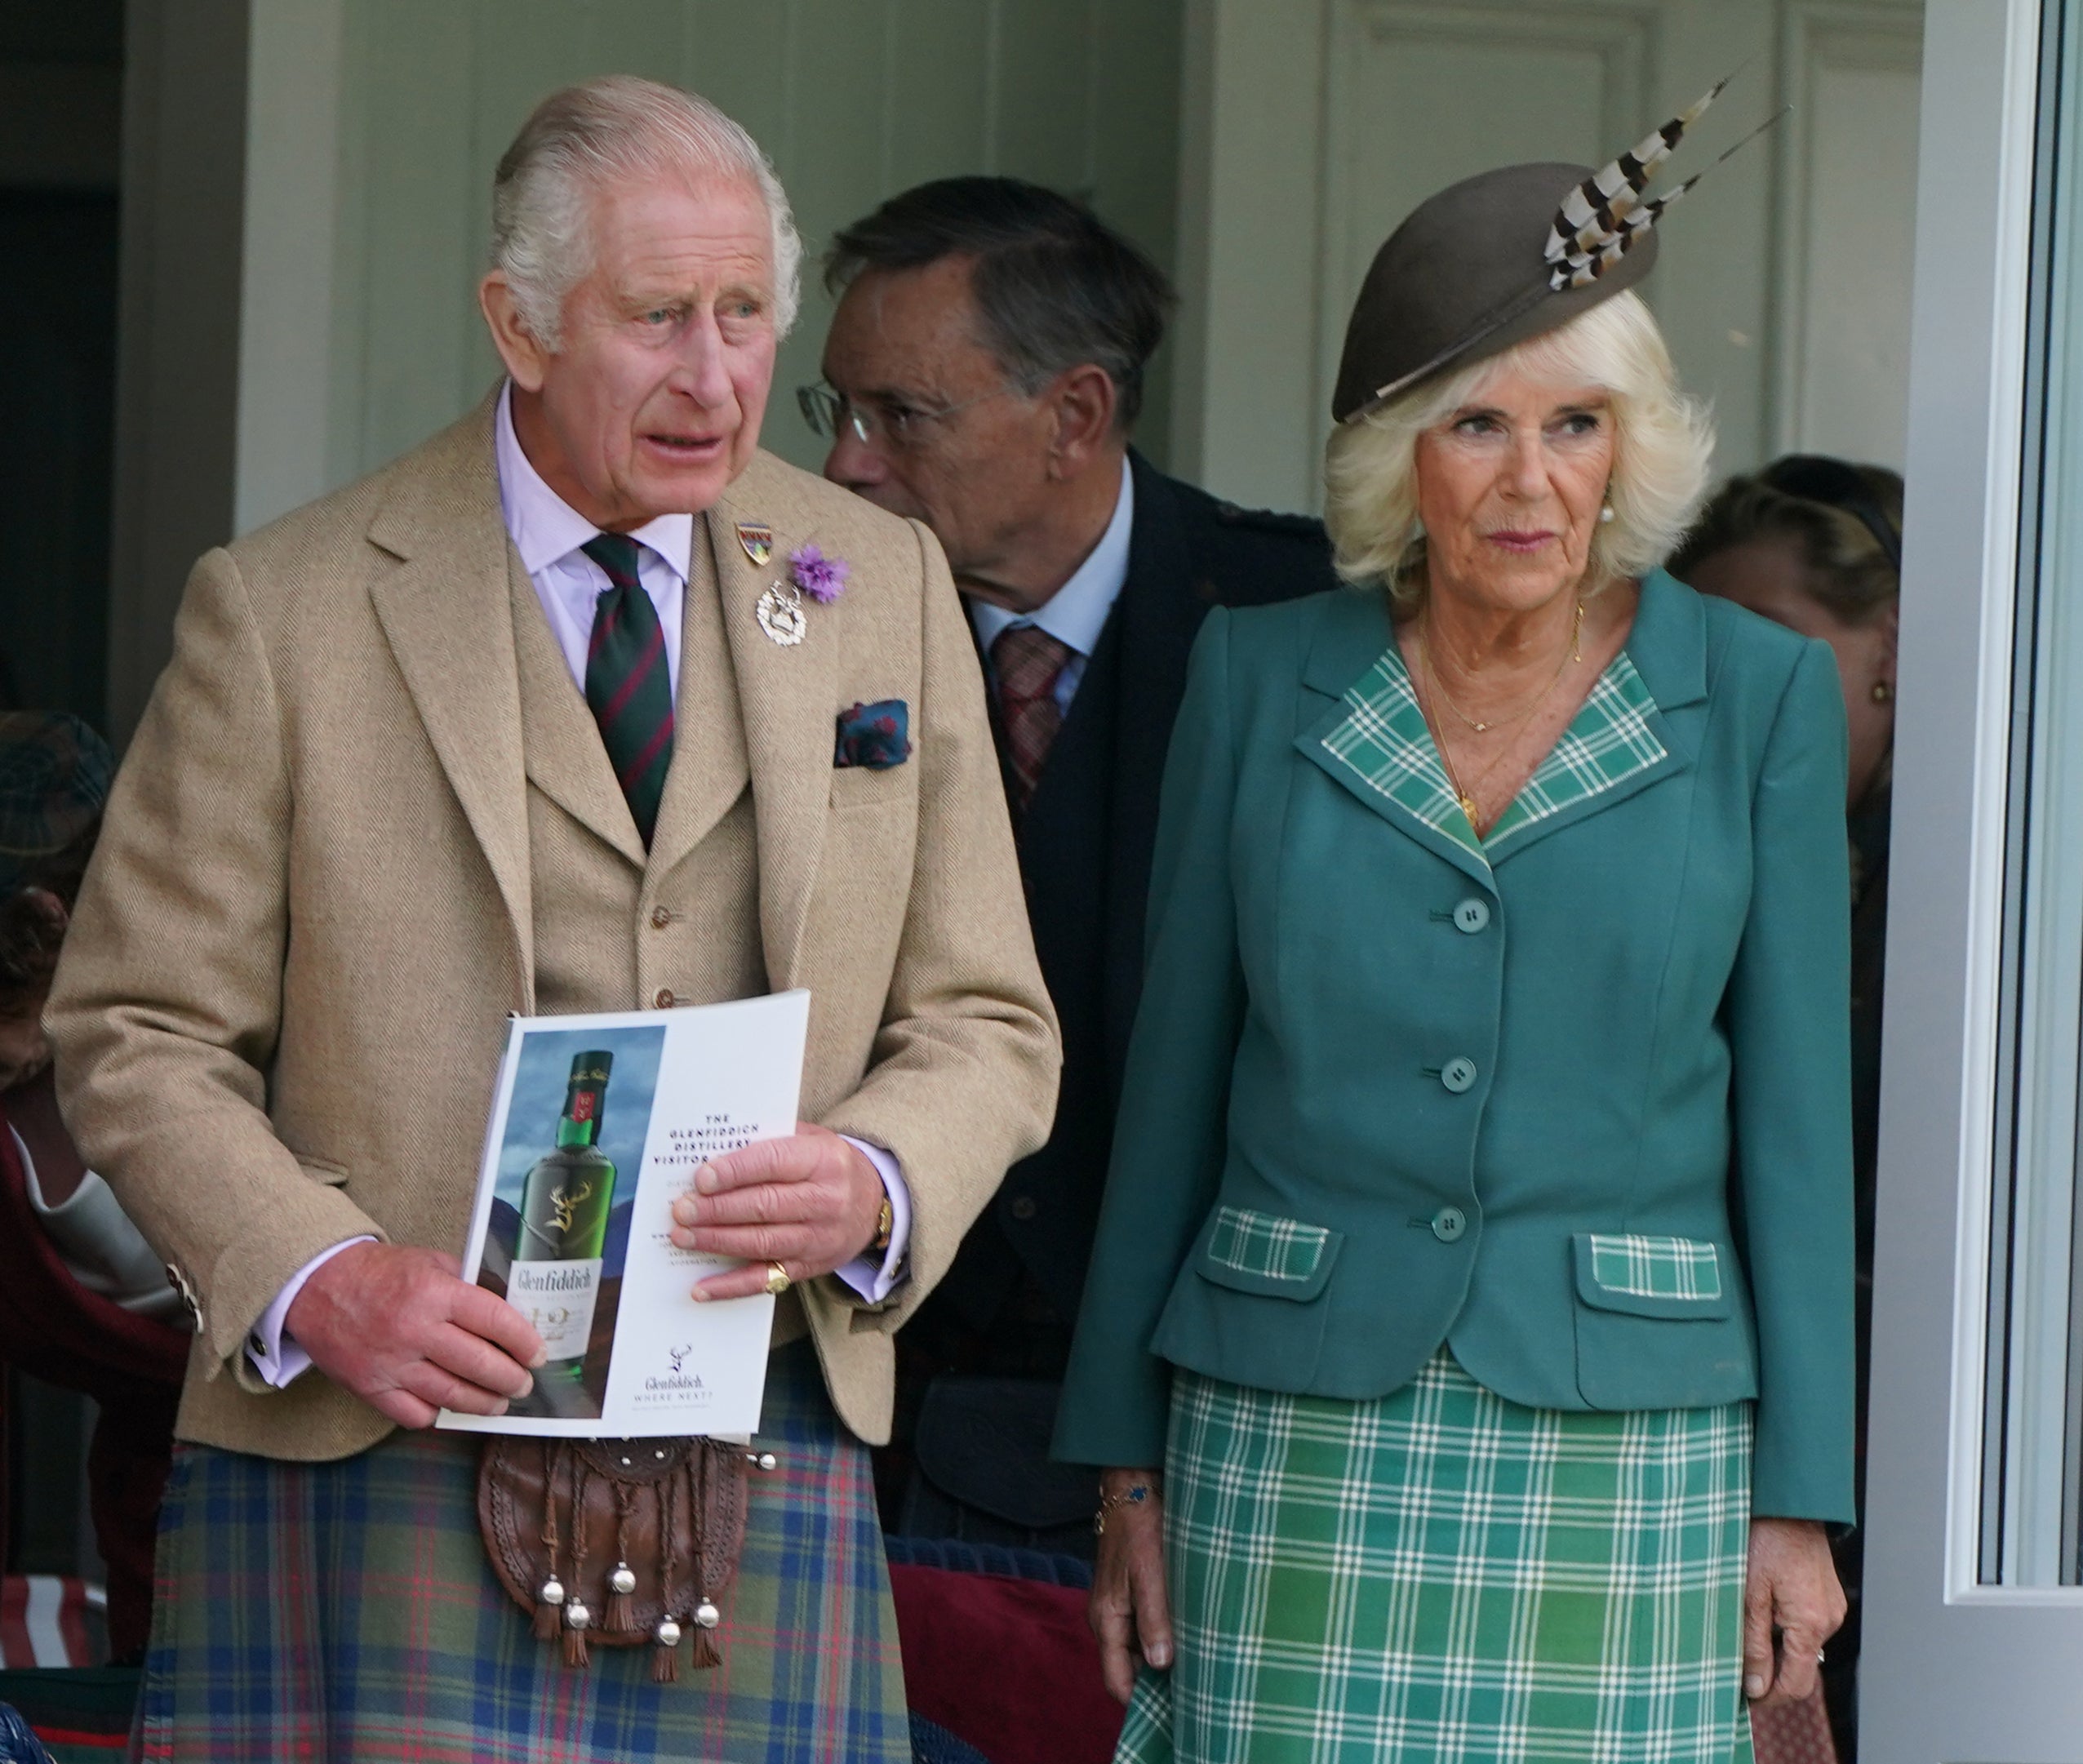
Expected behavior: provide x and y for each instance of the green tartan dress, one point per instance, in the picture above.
(1442, 1575)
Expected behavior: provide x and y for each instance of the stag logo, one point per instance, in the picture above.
(678, 1356)
(566, 1210)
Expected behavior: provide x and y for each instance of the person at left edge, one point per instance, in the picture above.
(512, 725)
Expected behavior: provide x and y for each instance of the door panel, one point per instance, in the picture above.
(1974, 1619)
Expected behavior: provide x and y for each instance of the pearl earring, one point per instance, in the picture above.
(1882, 691)
(1605, 514)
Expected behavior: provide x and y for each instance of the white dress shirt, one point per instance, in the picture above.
(548, 534)
(1077, 612)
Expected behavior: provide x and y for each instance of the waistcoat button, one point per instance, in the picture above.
(1024, 1208)
(663, 1000)
(1458, 1075)
(1448, 1224)
(661, 917)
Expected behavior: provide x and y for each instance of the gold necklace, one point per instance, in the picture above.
(1464, 795)
(1573, 652)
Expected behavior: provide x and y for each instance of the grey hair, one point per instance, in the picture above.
(1663, 448)
(580, 139)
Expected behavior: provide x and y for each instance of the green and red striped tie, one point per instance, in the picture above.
(628, 683)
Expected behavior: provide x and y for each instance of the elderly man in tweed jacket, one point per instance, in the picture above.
(534, 720)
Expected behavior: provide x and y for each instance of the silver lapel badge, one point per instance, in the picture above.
(780, 614)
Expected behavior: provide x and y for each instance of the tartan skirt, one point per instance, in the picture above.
(1440, 1576)
(346, 1610)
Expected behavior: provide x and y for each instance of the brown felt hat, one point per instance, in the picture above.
(1465, 276)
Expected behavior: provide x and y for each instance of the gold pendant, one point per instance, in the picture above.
(780, 614)
(1468, 809)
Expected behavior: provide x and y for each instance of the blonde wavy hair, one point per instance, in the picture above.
(1662, 445)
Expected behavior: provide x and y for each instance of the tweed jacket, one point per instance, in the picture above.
(281, 1008)
(1574, 1100)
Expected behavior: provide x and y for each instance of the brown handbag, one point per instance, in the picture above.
(624, 1541)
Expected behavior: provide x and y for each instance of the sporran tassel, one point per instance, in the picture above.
(706, 1656)
(548, 1617)
(665, 1651)
(578, 1616)
(621, 1615)
(549, 1596)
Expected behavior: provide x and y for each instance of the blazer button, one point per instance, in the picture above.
(1449, 1224)
(661, 917)
(664, 998)
(1472, 916)
(1457, 1075)
(1023, 1208)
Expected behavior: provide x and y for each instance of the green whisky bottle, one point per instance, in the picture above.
(564, 1207)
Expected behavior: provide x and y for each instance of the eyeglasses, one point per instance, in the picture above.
(1817, 477)
(833, 414)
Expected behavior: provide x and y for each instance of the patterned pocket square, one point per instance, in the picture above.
(875, 735)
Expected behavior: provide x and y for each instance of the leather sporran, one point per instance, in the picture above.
(616, 1541)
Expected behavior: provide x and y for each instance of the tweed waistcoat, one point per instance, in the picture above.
(617, 928)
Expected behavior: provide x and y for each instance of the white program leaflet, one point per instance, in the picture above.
(598, 1124)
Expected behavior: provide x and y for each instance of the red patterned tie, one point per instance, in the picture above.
(1027, 661)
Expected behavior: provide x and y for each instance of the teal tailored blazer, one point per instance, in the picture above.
(1574, 1100)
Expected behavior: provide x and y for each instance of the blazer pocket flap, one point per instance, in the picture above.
(1263, 1253)
(1650, 1277)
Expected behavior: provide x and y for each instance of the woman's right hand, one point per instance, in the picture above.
(1129, 1611)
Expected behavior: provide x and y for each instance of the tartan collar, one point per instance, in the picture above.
(1382, 743)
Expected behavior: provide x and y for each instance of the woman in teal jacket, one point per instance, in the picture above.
(1471, 1305)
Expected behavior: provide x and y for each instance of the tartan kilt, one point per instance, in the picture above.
(1440, 1576)
(346, 1610)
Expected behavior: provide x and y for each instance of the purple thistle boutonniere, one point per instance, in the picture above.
(824, 579)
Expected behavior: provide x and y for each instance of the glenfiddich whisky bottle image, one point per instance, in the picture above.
(564, 1208)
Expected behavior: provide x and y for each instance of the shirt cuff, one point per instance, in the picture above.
(275, 1355)
(871, 1276)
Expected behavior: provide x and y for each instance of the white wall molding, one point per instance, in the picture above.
(1820, 231)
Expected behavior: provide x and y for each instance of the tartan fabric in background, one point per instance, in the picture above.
(1442, 1577)
(279, 1585)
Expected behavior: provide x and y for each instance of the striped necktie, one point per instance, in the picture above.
(628, 684)
(1027, 661)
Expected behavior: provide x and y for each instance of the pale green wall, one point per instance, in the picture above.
(853, 100)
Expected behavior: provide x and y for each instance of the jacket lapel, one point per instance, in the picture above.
(1667, 649)
(709, 769)
(1162, 604)
(787, 695)
(1353, 728)
(445, 611)
(566, 758)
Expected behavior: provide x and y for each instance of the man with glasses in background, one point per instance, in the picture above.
(983, 373)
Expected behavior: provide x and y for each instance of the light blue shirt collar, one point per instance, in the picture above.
(1077, 612)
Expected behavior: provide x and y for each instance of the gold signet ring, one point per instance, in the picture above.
(777, 1279)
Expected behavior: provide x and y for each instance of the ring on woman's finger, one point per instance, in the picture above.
(1818, 1656)
(777, 1279)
